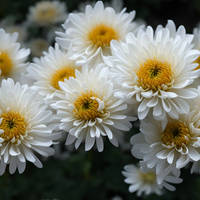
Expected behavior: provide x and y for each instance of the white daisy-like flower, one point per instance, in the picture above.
(12, 58)
(45, 13)
(156, 71)
(144, 180)
(88, 35)
(171, 146)
(38, 46)
(89, 110)
(47, 71)
(24, 127)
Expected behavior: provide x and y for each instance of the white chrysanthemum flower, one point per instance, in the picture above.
(89, 110)
(45, 13)
(47, 71)
(156, 71)
(23, 127)
(12, 58)
(144, 180)
(38, 46)
(171, 146)
(88, 35)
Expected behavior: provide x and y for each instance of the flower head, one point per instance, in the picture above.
(170, 146)
(45, 13)
(144, 180)
(12, 58)
(89, 110)
(156, 71)
(89, 34)
(51, 68)
(24, 127)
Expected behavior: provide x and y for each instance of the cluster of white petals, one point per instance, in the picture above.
(12, 57)
(90, 41)
(89, 110)
(144, 180)
(168, 57)
(24, 127)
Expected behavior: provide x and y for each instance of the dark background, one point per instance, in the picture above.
(154, 12)
(92, 175)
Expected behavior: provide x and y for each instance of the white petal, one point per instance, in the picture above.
(99, 143)
(182, 162)
(170, 157)
(13, 165)
(70, 139)
(194, 155)
(108, 132)
(89, 142)
(142, 115)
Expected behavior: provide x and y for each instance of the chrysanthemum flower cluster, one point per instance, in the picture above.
(104, 72)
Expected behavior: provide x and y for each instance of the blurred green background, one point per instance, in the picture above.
(92, 175)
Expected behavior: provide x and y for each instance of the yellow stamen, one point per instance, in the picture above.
(148, 177)
(153, 74)
(46, 14)
(61, 74)
(86, 108)
(198, 62)
(101, 35)
(5, 64)
(177, 134)
(13, 124)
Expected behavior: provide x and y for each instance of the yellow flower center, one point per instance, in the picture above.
(148, 177)
(5, 64)
(198, 62)
(61, 74)
(13, 124)
(101, 35)
(86, 107)
(153, 74)
(46, 14)
(177, 134)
